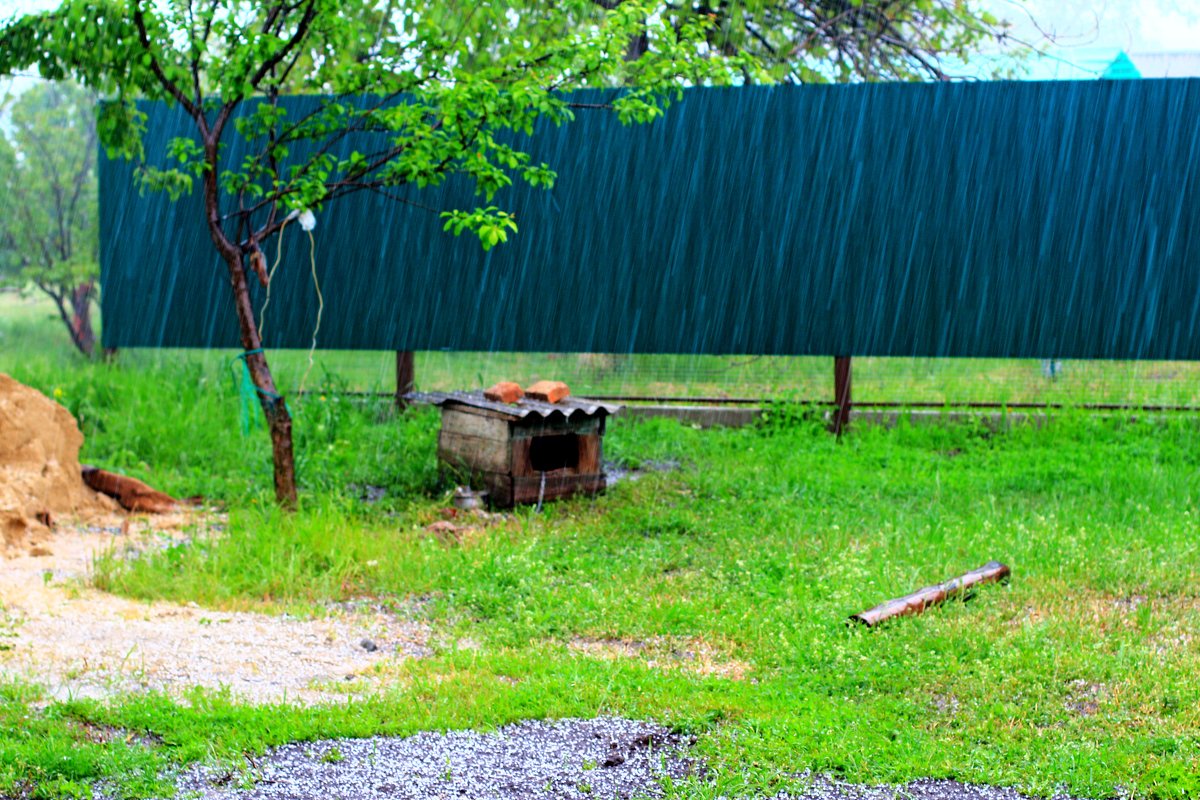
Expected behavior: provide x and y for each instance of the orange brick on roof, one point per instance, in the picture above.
(504, 392)
(548, 391)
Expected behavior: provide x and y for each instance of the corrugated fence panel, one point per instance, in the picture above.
(986, 219)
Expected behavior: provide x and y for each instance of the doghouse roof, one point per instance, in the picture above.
(570, 408)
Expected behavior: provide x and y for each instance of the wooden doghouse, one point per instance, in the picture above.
(524, 451)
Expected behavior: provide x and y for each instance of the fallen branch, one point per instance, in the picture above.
(132, 494)
(922, 599)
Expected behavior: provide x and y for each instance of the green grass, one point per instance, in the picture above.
(1078, 675)
(760, 548)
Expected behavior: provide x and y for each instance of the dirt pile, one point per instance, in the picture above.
(39, 464)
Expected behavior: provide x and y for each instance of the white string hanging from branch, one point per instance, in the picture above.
(308, 221)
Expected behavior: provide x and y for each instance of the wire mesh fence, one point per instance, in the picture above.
(28, 325)
(900, 382)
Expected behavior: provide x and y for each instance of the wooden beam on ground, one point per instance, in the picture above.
(922, 599)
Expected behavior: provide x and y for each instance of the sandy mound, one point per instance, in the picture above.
(39, 464)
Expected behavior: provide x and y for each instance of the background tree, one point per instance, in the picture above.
(10, 263)
(793, 41)
(435, 111)
(48, 231)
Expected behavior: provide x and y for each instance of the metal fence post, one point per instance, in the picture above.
(841, 393)
(405, 376)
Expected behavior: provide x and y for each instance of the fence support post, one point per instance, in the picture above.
(405, 376)
(841, 393)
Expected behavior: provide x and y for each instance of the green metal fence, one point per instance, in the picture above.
(1036, 220)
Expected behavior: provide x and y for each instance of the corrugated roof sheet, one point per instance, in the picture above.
(568, 408)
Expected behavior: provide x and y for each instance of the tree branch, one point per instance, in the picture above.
(275, 58)
(139, 20)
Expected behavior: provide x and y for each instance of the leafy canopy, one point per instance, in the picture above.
(793, 41)
(437, 107)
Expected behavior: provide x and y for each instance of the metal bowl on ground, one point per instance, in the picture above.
(466, 499)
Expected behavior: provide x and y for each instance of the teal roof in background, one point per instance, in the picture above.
(1121, 68)
(1084, 63)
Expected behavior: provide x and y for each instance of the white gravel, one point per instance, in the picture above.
(574, 759)
(824, 788)
(585, 759)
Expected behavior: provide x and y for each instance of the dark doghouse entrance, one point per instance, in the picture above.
(548, 453)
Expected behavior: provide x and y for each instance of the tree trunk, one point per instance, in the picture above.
(82, 333)
(74, 304)
(279, 420)
(639, 43)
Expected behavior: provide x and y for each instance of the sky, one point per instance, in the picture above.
(1082, 36)
(1131, 25)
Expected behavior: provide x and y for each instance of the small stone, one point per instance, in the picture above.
(368, 645)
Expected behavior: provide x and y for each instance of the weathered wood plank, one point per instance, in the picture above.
(500, 489)
(559, 483)
(498, 484)
(479, 412)
(474, 452)
(520, 457)
(531, 426)
(467, 424)
(589, 455)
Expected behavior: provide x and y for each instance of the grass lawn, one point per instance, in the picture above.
(1078, 675)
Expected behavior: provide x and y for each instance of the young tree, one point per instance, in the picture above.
(48, 233)
(434, 112)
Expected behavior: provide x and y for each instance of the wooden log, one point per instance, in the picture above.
(132, 494)
(922, 599)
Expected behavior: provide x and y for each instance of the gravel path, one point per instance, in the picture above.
(574, 759)
(594, 759)
(80, 642)
(823, 788)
